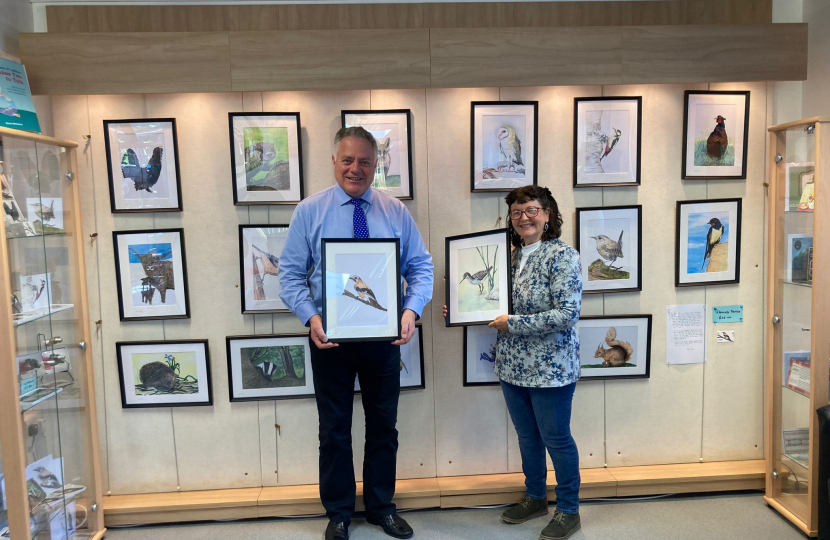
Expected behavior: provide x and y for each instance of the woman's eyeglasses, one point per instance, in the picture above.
(530, 211)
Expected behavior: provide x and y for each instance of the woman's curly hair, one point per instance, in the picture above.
(526, 194)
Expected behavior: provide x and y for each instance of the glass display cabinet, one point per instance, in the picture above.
(49, 474)
(798, 327)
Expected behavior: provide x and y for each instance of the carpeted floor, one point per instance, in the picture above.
(721, 517)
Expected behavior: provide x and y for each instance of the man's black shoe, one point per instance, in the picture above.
(393, 525)
(337, 530)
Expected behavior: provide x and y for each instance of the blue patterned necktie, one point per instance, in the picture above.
(361, 230)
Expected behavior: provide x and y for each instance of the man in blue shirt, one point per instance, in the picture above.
(352, 209)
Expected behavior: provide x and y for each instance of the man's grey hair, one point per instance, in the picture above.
(356, 132)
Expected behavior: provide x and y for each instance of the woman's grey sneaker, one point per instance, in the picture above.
(562, 526)
(526, 509)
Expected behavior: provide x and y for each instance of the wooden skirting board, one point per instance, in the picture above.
(445, 492)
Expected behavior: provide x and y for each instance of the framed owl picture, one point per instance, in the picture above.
(715, 135)
(504, 137)
(607, 141)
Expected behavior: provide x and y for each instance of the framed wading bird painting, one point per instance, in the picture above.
(266, 158)
(391, 129)
(504, 143)
(361, 289)
(607, 133)
(610, 248)
(260, 248)
(708, 244)
(715, 135)
(614, 346)
(269, 367)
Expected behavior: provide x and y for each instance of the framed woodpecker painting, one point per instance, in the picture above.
(610, 243)
(715, 135)
(708, 243)
(607, 132)
(269, 367)
(260, 249)
(504, 137)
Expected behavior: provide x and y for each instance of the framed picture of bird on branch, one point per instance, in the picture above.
(266, 158)
(614, 347)
(480, 356)
(479, 280)
(361, 289)
(504, 140)
(173, 373)
(708, 245)
(151, 273)
(143, 165)
(607, 132)
(391, 129)
(412, 363)
(610, 247)
(715, 135)
(260, 248)
(269, 367)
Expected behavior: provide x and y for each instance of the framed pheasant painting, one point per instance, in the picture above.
(391, 129)
(715, 135)
(479, 279)
(361, 289)
(610, 245)
(614, 347)
(269, 367)
(607, 132)
(260, 248)
(151, 274)
(708, 245)
(143, 165)
(504, 138)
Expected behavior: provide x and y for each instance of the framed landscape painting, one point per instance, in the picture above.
(715, 135)
(480, 356)
(614, 346)
(260, 248)
(266, 158)
(143, 165)
(609, 242)
(504, 144)
(269, 367)
(708, 242)
(607, 133)
(361, 289)
(412, 363)
(391, 129)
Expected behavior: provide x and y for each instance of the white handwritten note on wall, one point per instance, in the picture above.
(686, 334)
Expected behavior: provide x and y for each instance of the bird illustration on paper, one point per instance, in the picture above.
(477, 278)
(27, 365)
(270, 263)
(45, 213)
(510, 148)
(713, 237)
(47, 479)
(610, 145)
(39, 291)
(16, 307)
(718, 141)
(11, 211)
(362, 289)
(144, 178)
(609, 250)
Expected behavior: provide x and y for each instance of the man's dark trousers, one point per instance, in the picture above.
(377, 366)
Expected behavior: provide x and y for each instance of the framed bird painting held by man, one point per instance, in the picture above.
(607, 136)
(143, 165)
(609, 242)
(269, 367)
(361, 289)
(479, 280)
(715, 135)
(504, 137)
(260, 248)
(708, 245)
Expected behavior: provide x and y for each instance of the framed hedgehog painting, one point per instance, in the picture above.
(610, 246)
(607, 136)
(173, 373)
(708, 244)
(715, 135)
(504, 137)
(614, 347)
(143, 165)
(269, 367)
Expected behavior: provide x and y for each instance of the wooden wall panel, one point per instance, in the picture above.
(67, 18)
(329, 60)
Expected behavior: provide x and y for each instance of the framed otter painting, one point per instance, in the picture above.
(614, 346)
(715, 135)
(151, 273)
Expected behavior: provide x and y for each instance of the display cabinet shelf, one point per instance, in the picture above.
(45, 312)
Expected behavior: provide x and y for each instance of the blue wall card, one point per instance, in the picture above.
(17, 111)
(724, 314)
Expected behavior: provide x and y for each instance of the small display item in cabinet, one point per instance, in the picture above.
(799, 174)
(35, 291)
(799, 258)
(14, 218)
(49, 214)
(29, 316)
(44, 362)
(807, 202)
(38, 396)
(796, 445)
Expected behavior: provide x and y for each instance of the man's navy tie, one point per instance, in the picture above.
(361, 230)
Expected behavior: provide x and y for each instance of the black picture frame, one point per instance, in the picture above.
(451, 283)
(585, 268)
(242, 275)
(230, 363)
(465, 380)
(639, 103)
(119, 284)
(121, 378)
(422, 385)
(408, 113)
(473, 142)
(646, 375)
(684, 150)
(108, 146)
(234, 179)
(394, 244)
(678, 243)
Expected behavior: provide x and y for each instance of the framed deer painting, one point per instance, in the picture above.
(260, 248)
(614, 346)
(391, 129)
(151, 273)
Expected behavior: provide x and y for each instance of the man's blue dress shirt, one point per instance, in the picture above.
(328, 214)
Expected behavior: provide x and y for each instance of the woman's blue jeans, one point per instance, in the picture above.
(542, 418)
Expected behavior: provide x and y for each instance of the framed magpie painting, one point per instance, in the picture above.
(708, 244)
